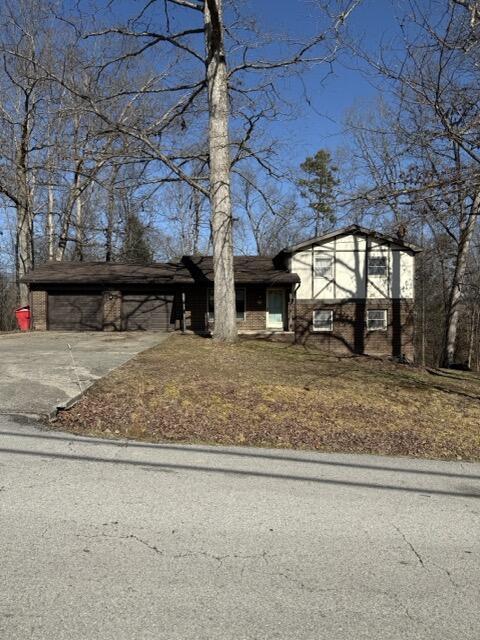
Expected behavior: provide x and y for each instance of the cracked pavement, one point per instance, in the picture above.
(120, 540)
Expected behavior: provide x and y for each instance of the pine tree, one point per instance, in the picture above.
(317, 187)
(136, 248)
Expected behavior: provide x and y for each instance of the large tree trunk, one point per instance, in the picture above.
(24, 208)
(473, 333)
(451, 327)
(50, 227)
(220, 200)
(72, 202)
(110, 216)
(80, 229)
(196, 206)
(24, 250)
(109, 228)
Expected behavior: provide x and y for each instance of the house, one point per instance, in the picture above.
(349, 291)
(356, 292)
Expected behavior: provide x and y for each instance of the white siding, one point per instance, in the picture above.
(301, 264)
(404, 266)
(349, 243)
(350, 272)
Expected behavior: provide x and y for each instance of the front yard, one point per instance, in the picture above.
(190, 389)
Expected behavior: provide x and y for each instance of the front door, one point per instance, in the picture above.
(275, 309)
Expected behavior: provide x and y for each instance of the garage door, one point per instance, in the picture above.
(146, 311)
(75, 311)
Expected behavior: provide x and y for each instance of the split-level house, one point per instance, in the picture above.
(348, 291)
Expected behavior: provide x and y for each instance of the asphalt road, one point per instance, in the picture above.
(124, 541)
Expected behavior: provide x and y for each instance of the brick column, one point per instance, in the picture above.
(255, 309)
(112, 310)
(38, 307)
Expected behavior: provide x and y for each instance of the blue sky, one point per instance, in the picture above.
(321, 125)
(331, 90)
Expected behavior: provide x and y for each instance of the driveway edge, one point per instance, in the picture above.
(69, 404)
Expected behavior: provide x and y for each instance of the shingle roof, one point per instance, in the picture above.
(354, 229)
(189, 270)
(108, 273)
(248, 270)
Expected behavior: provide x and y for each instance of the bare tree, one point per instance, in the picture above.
(22, 86)
(199, 88)
(267, 215)
(184, 224)
(425, 156)
(219, 152)
(192, 73)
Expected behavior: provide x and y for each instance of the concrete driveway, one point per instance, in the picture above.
(40, 371)
(124, 541)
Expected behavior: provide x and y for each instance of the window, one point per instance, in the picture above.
(239, 304)
(323, 265)
(377, 265)
(323, 320)
(376, 319)
(210, 306)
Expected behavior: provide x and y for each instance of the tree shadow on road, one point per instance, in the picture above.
(465, 491)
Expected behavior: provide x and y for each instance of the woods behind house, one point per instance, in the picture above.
(144, 134)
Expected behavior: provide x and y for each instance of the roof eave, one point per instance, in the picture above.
(345, 231)
(286, 278)
(105, 282)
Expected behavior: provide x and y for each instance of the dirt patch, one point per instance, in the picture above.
(190, 389)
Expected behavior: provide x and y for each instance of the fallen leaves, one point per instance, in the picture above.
(191, 389)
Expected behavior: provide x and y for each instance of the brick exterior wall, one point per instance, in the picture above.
(195, 309)
(39, 309)
(255, 308)
(112, 310)
(350, 334)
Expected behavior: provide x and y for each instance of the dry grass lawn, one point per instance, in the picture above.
(190, 389)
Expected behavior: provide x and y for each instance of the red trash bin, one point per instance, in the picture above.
(23, 318)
